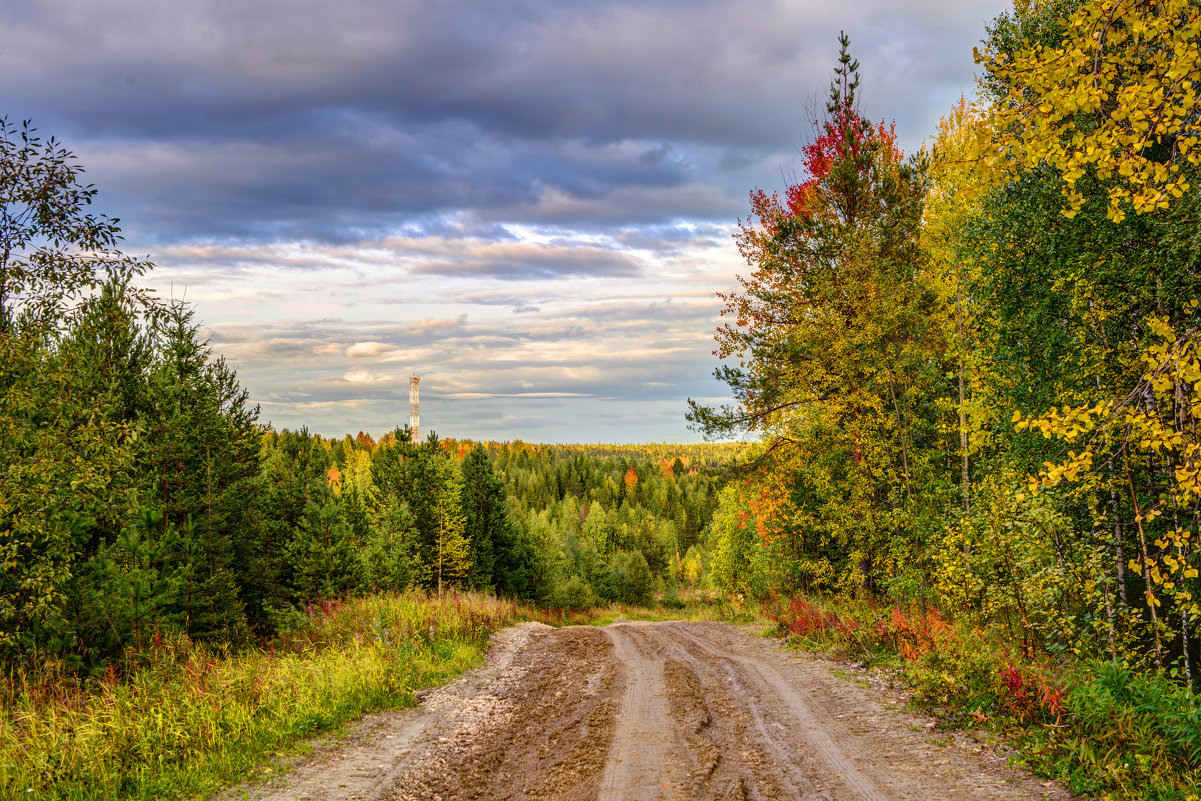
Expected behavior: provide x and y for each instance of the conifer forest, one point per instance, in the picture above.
(963, 435)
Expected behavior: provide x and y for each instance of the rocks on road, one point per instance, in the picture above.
(646, 711)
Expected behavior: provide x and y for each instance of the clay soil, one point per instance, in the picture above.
(645, 711)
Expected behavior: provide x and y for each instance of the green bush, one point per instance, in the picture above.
(572, 592)
(1134, 734)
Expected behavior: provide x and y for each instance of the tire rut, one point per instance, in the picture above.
(637, 766)
(647, 712)
(724, 735)
(814, 753)
(550, 744)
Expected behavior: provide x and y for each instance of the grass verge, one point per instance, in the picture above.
(1103, 729)
(186, 721)
(691, 605)
(180, 720)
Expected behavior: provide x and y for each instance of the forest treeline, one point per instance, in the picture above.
(141, 497)
(975, 369)
(206, 523)
(614, 523)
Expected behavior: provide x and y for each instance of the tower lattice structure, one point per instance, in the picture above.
(414, 413)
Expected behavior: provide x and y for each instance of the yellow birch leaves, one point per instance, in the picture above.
(1118, 97)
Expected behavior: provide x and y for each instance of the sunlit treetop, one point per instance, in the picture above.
(955, 170)
(846, 156)
(1116, 96)
(851, 167)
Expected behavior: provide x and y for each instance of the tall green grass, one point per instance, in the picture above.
(180, 720)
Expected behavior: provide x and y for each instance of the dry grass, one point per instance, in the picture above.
(187, 720)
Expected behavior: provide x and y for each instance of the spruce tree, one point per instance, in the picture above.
(65, 453)
(488, 526)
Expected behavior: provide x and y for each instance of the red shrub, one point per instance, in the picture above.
(807, 619)
(1030, 697)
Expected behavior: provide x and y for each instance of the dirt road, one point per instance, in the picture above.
(645, 711)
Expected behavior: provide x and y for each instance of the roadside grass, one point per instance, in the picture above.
(176, 719)
(179, 720)
(1103, 729)
(691, 605)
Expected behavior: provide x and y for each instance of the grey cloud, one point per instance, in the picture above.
(476, 366)
(655, 155)
(524, 261)
(420, 150)
(252, 121)
(533, 70)
(336, 188)
(668, 240)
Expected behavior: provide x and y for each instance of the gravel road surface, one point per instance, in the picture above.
(647, 711)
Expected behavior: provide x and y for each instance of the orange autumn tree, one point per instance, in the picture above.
(833, 348)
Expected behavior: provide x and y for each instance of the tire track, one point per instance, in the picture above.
(646, 712)
(793, 713)
(637, 766)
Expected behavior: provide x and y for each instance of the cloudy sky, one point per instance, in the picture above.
(526, 202)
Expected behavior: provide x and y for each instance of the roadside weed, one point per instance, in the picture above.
(1101, 728)
(180, 720)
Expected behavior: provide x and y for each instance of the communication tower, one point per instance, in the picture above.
(414, 414)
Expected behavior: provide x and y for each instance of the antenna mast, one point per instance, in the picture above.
(414, 414)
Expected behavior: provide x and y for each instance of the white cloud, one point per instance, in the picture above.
(368, 349)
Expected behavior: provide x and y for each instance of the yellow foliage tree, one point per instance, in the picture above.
(1157, 422)
(1117, 98)
(959, 183)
